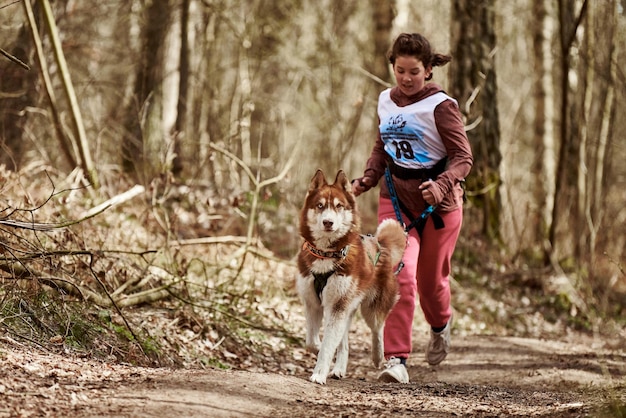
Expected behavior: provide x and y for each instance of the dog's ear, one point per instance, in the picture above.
(318, 180)
(342, 181)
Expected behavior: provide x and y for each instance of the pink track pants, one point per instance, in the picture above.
(426, 272)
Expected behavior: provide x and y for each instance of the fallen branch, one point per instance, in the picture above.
(40, 226)
(18, 271)
(147, 296)
(114, 201)
(138, 282)
(226, 239)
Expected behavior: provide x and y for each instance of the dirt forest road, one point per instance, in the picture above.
(483, 377)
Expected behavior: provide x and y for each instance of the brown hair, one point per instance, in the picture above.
(416, 45)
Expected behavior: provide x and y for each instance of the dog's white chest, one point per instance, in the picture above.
(322, 266)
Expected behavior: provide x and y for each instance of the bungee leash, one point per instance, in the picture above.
(398, 207)
(394, 196)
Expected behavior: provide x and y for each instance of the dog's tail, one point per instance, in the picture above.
(391, 235)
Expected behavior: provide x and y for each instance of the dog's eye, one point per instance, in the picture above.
(339, 206)
(320, 205)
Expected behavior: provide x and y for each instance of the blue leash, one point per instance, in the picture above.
(417, 223)
(394, 196)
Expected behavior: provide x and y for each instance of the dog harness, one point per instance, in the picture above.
(321, 279)
(319, 282)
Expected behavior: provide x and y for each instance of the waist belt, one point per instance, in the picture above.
(417, 173)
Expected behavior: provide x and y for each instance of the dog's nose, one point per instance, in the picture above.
(328, 224)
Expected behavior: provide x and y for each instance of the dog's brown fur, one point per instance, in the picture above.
(330, 223)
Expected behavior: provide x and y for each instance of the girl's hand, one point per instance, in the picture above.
(361, 185)
(427, 193)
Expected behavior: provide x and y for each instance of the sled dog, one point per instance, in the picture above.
(340, 270)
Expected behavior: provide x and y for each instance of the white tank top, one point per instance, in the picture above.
(409, 133)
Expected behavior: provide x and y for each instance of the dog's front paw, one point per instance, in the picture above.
(338, 374)
(318, 378)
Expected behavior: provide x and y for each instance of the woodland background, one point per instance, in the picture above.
(157, 150)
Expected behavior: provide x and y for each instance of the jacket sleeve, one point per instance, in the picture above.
(460, 159)
(377, 162)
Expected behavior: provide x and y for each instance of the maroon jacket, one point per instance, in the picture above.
(448, 192)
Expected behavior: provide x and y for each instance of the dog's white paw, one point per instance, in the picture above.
(338, 374)
(318, 378)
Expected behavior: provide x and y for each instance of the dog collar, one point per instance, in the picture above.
(325, 254)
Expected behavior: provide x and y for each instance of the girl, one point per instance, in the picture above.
(423, 147)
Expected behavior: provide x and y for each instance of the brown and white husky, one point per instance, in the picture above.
(340, 269)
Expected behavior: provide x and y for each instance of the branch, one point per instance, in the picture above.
(39, 226)
(249, 173)
(257, 191)
(369, 75)
(14, 59)
(147, 296)
(19, 271)
(226, 239)
(114, 201)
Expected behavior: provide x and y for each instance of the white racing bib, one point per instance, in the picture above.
(409, 133)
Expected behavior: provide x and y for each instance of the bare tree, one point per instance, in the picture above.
(597, 69)
(570, 19)
(382, 15)
(142, 148)
(473, 82)
(66, 144)
(183, 90)
(17, 93)
(236, 100)
(544, 101)
(608, 238)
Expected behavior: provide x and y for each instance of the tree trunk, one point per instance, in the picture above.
(473, 83)
(544, 164)
(607, 117)
(17, 92)
(587, 73)
(183, 88)
(383, 15)
(203, 98)
(142, 149)
(242, 112)
(600, 35)
(567, 163)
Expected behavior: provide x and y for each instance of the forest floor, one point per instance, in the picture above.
(484, 376)
(226, 339)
